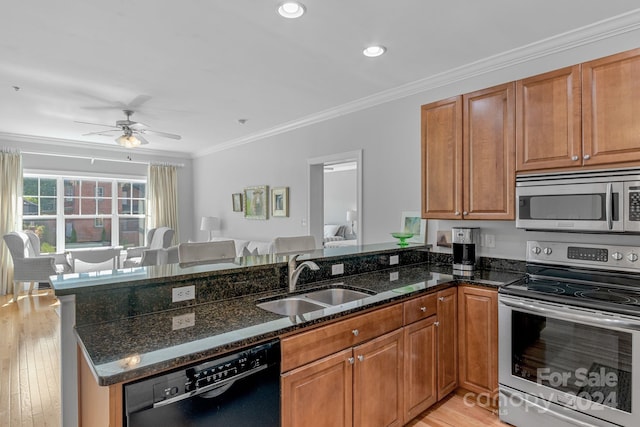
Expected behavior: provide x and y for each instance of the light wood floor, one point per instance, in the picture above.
(29, 360)
(30, 371)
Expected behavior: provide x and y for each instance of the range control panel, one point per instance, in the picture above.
(611, 257)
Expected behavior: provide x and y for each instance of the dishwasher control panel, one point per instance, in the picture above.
(208, 379)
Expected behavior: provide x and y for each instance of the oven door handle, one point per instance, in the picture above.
(609, 207)
(563, 313)
(547, 410)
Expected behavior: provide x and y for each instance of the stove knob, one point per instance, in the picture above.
(547, 251)
(617, 256)
(632, 257)
(536, 250)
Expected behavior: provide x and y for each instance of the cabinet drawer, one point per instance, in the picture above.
(420, 308)
(308, 346)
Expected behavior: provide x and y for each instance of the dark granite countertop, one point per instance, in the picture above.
(131, 348)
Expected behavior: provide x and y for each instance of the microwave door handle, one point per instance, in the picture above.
(609, 207)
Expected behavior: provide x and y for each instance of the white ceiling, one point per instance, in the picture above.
(203, 64)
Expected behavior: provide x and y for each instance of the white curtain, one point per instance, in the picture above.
(10, 206)
(163, 197)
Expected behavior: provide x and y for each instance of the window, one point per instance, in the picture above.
(85, 215)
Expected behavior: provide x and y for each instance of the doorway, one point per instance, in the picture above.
(328, 205)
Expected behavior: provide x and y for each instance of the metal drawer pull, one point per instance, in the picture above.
(465, 213)
(587, 157)
(436, 323)
(574, 158)
(423, 309)
(440, 298)
(351, 360)
(361, 358)
(355, 332)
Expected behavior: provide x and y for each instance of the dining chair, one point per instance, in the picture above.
(203, 252)
(283, 245)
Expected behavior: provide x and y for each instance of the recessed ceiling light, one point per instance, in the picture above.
(291, 9)
(373, 51)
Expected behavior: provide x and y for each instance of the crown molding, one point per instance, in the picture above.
(586, 35)
(69, 143)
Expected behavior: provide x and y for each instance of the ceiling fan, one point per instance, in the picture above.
(132, 132)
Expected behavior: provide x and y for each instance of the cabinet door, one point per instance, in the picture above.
(319, 394)
(548, 121)
(377, 382)
(611, 109)
(441, 130)
(478, 339)
(488, 142)
(447, 341)
(419, 367)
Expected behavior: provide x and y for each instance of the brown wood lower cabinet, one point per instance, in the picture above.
(478, 340)
(420, 365)
(360, 386)
(447, 341)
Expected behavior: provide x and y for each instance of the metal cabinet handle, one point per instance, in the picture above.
(440, 298)
(436, 323)
(361, 358)
(465, 213)
(423, 309)
(574, 158)
(351, 360)
(456, 213)
(586, 157)
(355, 332)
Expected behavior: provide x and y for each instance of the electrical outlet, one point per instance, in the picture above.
(183, 293)
(337, 269)
(394, 259)
(490, 240)
(183, 321)
(393, 276)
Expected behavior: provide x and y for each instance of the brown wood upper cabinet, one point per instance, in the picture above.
(611, 109)
(548, 122)
(468, 156)
(580, 116)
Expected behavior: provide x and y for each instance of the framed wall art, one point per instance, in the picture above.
(412, 222)
(256, 202)
(280, 201)
(237, 202)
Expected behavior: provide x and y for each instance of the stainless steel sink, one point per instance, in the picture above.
(312, 301)
(335, 296)
(292, 306)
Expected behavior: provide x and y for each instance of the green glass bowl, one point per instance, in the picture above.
(402, 237)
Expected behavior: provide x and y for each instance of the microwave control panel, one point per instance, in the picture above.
(634, 203)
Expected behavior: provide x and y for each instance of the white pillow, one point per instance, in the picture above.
(330, 230)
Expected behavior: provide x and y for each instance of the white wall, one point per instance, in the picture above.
(340, 192)
(63, 156)
(389, 135)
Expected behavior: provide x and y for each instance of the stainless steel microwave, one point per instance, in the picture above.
(594, 201)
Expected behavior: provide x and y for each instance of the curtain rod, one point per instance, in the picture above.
(129, 160)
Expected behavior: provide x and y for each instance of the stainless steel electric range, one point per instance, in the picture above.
(569, 338)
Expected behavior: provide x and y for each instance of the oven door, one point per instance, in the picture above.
(594, 207)
(576, 359)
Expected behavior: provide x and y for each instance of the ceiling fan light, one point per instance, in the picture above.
(291, 9)
(128, 141)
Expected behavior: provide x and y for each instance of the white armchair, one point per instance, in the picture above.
(28, 264)
(157, 238)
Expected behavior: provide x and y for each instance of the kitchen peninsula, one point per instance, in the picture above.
(121, 326)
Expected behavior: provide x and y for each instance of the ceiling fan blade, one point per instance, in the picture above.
(97, 124)
(138, 101)
(164, 134)
(138, 126)
(102, 132)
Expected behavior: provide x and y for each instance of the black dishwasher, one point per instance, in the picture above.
(241, 389)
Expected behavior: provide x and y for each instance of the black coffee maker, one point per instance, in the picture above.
(465, 255)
